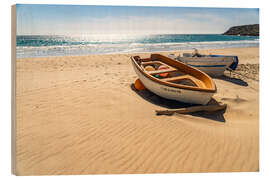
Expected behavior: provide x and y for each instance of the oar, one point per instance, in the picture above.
(207, 108)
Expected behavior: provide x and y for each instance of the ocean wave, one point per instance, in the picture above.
(136, 44)
(106, 48)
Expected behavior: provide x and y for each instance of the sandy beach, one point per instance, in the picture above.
(80, 115)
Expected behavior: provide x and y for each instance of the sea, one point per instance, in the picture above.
(52, 45)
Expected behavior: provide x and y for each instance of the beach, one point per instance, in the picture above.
(81, 115)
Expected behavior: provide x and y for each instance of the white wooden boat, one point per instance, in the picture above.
(183, 83)
(213, 65)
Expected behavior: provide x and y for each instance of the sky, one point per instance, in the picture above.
(89, 20)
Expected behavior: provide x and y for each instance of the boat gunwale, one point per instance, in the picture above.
(193, 88)
(206, 59)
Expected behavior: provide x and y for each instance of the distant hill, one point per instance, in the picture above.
(245, 30)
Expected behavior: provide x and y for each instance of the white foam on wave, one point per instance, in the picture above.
(106, 48)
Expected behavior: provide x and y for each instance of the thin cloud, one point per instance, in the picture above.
(136, 20)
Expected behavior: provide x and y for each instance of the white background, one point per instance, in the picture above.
(5, 86)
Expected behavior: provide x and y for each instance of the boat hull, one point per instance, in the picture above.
(213, 66)
(182, 95)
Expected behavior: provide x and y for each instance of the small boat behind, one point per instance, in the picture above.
(174, 80)
(213, 65)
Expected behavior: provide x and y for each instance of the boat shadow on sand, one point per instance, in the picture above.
(171, 104)
(232, 80)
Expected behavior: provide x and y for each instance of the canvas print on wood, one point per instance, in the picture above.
(123, 89)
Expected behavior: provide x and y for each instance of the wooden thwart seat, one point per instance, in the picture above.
(150, 62)
(170, 69)
(154, 62)
(177, 78)
(162, 71)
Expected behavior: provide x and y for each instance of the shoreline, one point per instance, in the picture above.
(153, 52)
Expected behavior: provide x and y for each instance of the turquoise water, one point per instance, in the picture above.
(43, 46)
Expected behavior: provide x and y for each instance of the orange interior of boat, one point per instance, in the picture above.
(178, 73)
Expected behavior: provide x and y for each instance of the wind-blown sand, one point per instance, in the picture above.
(79, 115)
